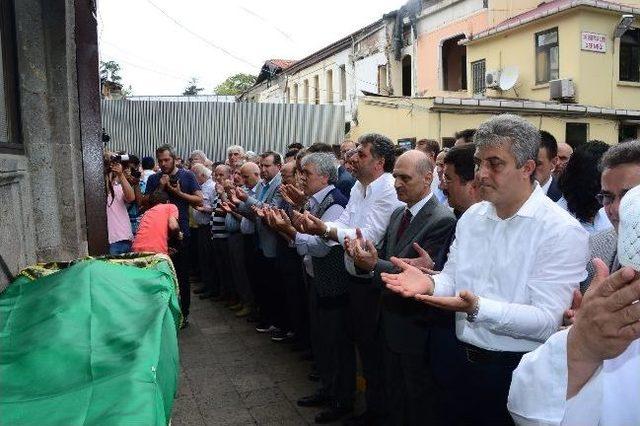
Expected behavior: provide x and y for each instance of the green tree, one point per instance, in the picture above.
(192, 89)
(235, 84)
(109, 71)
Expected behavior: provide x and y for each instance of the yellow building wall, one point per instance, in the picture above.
(595, 74)
(398, 119)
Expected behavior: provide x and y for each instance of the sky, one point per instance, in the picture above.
(161, 44)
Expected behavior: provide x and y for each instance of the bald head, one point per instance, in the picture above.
(250, 173)
(413, 173)
(564, 154)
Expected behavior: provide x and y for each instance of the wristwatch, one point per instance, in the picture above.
(473, 315)
(327, 231)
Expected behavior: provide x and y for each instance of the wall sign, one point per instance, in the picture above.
(594, 42)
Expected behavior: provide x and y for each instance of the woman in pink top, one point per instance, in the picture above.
(119, 192)
(157, 225)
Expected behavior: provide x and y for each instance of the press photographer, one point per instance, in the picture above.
(119, 193)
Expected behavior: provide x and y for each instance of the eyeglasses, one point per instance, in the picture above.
(606, 198)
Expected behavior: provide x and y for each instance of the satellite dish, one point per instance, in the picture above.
(508, 78)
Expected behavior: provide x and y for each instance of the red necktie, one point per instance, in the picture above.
(404, 223)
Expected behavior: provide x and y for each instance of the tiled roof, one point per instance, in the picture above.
(282, 63)
(548, 9)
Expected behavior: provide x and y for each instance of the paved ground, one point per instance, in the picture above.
(232, 375)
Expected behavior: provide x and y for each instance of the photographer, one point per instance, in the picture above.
(183, 190)
(119, 193)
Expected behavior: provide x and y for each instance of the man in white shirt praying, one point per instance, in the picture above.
(511, 271)
(373, 199)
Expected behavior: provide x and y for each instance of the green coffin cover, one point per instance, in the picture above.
(91, 342)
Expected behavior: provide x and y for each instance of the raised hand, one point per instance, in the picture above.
(465, 301)
(293, 195)
(422, 261)
(297, 221)
(409, 282)
(569, 314)
(312, 225)
(241, 194)
(367, 257)
(607, 322)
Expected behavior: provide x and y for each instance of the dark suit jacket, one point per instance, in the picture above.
(345, 181)
(554, 190)
(404, 321)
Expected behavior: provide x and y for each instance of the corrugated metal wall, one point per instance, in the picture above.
(139, 127)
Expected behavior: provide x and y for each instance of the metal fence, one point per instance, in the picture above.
(139, 127)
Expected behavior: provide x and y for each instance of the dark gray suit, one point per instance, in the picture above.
(405, 322)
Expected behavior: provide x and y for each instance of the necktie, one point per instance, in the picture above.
(404, 223)
(263, 192)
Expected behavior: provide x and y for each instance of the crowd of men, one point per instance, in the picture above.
(436, 269)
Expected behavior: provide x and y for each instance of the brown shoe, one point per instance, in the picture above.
(244, 312)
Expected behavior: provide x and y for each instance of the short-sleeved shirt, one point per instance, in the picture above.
(188, 185)
(153, 232)
(118, 223)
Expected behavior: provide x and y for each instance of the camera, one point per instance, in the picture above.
(136, 173)
(173, 180)
(120, 158)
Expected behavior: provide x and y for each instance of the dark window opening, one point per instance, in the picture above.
(454, 64)
(576, 133)
(547, 56)
(627, 132)
(630, 55)
(10, 140)
(406, 76)
(478, 71)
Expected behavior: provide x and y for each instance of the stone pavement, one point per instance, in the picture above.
(232, 375)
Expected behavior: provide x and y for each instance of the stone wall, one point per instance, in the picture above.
(42, 213)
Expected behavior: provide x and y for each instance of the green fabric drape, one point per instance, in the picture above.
(92, 342)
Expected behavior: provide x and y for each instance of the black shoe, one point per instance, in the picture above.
(333, 414)
(207, 295)
(282, 336)
(315, 400)
(313, 376)
(264, 327)
(365, 419)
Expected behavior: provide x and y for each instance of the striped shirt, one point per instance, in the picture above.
(218, 228)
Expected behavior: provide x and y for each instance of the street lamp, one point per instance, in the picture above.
(623, 25)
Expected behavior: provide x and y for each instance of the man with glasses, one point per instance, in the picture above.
(511, 270)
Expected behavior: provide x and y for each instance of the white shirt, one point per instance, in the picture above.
(435, 188)
(539, 388)
(369, 209)
(547, 185)
(415, 209)
(312, 245)
(600, 222)
(524, 269)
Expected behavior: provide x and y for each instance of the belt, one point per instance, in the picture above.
(478, 355)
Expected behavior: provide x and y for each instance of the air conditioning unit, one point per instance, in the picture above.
(562, 89)
(492, 79)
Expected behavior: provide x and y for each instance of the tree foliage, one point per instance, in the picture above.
(109, 71)
(192, 88)
(235, 84)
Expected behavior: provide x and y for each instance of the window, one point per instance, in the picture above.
(576, 133)
(383, 87)
(454, 64)
(9, 118)
(630, 55)
(406, 76)
(343, 83)
(329, 86)
(305, 92)
(627, 131)
(478, 71)
(316, 90)
(547, 53)
(287, 95)
(295, 93)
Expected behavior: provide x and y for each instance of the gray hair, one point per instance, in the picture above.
(522, 136)
(325, 165)
(235, 148)
(199, 153)
(624, 153)
(424, 166)
(201, 170)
